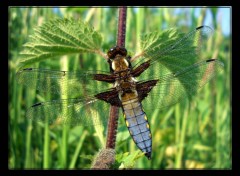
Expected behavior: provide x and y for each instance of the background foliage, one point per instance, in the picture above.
(193, 134)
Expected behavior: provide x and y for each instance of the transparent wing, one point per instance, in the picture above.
(62, 82)
(173, 51)
(72, 112)
(184, 83)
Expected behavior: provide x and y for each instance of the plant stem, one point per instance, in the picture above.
(122, 26)
(112, 127)
(113, 116)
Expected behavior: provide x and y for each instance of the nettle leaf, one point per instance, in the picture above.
(60, 37)
(170, 51)
(152, 42)
(175, 46)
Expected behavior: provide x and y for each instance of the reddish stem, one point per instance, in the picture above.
(114, 110)
(122, 26)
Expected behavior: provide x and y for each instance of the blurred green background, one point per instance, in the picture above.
(193, 134)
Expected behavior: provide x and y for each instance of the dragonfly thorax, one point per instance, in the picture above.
(125, 86)
(119, 64)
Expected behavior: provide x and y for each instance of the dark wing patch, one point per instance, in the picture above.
(140, 69)
(110, 97)
(143, 88)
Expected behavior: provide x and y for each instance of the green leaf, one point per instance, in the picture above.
(152, 42)
(126, 160)
(60, 37)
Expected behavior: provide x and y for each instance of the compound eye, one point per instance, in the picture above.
(111, 52)
(116, 50)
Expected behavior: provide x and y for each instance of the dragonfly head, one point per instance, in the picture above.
(114, 51)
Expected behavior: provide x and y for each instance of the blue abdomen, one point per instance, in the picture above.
(138, 126)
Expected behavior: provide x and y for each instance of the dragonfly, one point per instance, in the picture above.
(135, 87)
